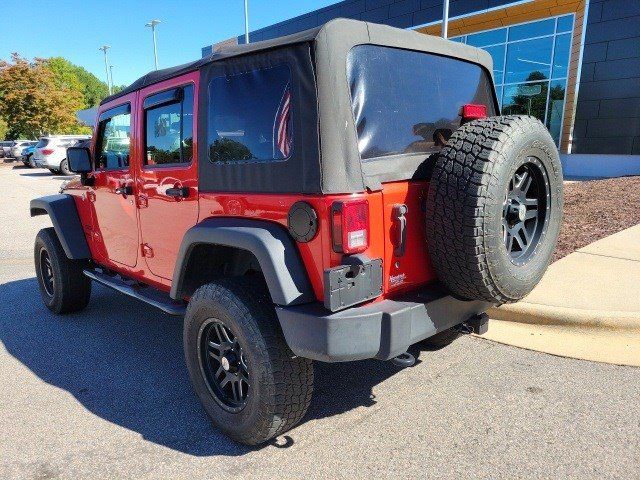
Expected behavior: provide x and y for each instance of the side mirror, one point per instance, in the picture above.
(79, 159)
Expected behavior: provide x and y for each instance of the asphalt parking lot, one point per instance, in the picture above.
(105, 394)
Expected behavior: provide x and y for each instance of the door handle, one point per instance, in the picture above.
(399, 212)
(124, 190)
(178, 192)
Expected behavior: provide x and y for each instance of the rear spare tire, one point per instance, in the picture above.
(494, 208)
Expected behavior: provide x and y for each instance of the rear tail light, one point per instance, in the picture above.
(350, 226)
(47, 151)
(473, 112)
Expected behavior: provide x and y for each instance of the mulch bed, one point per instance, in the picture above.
(595, 209)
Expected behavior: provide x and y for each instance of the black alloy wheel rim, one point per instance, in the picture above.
(525, 213)
(223, 365)
(47, 272)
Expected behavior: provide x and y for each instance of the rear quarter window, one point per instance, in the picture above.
(407, 102)
(249, 118)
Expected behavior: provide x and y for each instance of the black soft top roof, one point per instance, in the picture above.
(329, 161)
(345, 29)
(226, 52)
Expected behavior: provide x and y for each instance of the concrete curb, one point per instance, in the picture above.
(532, 313)
(587, 305)
(595, 345)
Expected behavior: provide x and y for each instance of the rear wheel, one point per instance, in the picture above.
(63, 286)
(64, 167)
(494, 208)
(250, 383)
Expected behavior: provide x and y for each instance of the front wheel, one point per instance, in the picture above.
(63, 286)
(250, 383)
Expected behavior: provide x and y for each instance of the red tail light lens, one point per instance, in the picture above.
(47, 151)
(473, 112)
(350, 226)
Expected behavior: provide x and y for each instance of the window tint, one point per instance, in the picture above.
(533, 29)
(114, 141)
(169, 127)
(525, 99)
(491, 37)
(409, 102)
(561, 55)
(529, 60)
(250, 116)
(565, 24)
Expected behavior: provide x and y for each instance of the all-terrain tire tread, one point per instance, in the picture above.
(288, 399)
(458, 194)
(74, 286)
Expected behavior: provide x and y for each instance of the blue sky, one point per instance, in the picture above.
(74, 29)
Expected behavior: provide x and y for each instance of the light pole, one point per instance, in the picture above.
(111, 72)
(246, 21)
(104, 48)
(153, 24)
(445, 19)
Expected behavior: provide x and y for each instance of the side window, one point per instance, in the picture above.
(114, 138)
(250, 116)
(168, 118)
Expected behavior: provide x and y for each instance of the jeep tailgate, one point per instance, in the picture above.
(406, 259)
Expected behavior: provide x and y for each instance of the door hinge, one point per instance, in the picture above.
(146, 250)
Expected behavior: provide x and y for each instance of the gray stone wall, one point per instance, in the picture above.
(608, 110)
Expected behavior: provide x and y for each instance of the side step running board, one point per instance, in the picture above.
(146, 294)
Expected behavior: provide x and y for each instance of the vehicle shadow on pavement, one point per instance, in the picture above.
(37, 174)
(123, 361)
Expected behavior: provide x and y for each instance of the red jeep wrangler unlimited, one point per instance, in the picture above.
(337, 194)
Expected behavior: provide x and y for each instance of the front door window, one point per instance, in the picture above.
(114, 142)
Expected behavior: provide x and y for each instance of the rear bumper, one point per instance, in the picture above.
(381, 330)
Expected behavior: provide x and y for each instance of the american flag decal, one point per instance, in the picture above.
(282, 135)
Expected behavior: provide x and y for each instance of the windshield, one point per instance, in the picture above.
(407, 102)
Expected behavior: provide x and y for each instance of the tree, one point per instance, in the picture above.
(4, 129)
(227, 150)
(530, 105)
(34, 102)
(77, 78)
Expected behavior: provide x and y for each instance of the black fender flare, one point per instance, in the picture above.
(66, 222)
(269, 242)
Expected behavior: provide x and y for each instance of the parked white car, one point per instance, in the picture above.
(51, 152)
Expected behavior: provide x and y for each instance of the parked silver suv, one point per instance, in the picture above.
(51, 152)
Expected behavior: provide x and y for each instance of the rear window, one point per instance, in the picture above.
(250, 116)
(407, 102)
(42, 143)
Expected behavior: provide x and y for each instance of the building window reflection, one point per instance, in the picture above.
(531, 64)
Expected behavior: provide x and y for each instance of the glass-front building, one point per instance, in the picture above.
(574, 64)
(531, 64)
